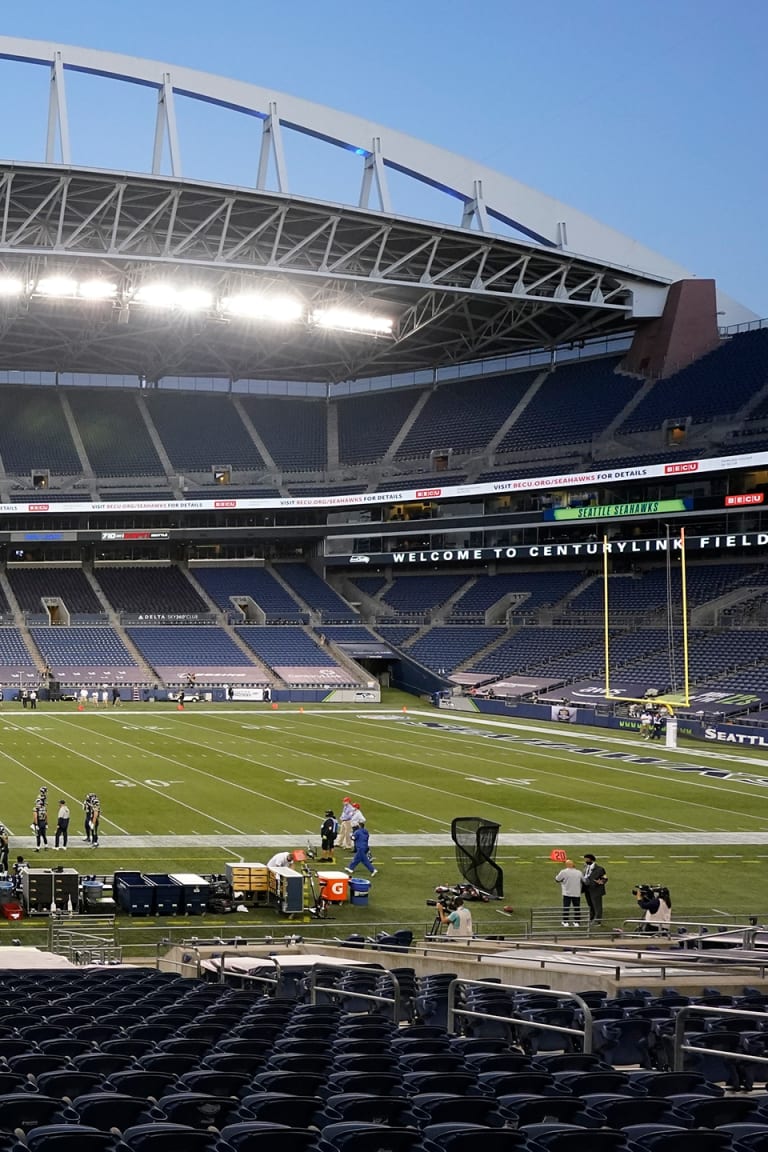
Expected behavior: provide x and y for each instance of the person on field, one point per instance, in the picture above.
(594, 879)
(92, 818)
(328, 832)
(569, 878)
(4, 845)
(345, 824)
(40, 820)
(62, 826)
(361, 838)
(284, 859)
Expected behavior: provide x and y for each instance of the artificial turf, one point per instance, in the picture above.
(191, 790)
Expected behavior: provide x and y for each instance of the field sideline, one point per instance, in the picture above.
(189, 791)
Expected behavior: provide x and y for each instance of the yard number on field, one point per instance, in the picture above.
(148, 783)
(493, 780)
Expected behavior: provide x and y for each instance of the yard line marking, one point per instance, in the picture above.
(126, 776)
(213, 776)
(50, 783)
(551, 754)
(502, 807)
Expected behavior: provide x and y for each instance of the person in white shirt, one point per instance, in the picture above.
(569, 878)
(282, 860)
(458, 920)
(62, 826)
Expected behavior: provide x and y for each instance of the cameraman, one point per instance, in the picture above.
(657, 905)
(458, 920)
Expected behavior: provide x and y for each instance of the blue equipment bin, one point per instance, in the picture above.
(166, 893)
(359, 891)
(195, 891)
(133, 894)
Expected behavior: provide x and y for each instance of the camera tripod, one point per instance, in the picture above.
(319, 905)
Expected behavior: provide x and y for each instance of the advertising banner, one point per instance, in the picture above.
(673, 467)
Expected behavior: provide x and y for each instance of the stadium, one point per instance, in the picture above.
(305, 499)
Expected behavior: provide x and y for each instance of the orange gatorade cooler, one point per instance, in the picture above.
(334, 886)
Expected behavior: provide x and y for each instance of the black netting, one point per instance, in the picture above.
(475, 841)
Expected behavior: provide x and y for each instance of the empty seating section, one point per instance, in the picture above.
(717, 385)
(34, 433)
(445, 648)
(70, 585)
(318, 595)
(647, 591)
(294, 431)
(199, 432)
(574, 404)
(13, 651)
(296, 657)
(369, 423)
(150, 588)
(209, 652)
(113, 432)
(418, 595)
(421, 480)
(464, 415)
(370, 585)
(530, 649)
(152, 1062)
(528, 591)
(275, 645)
(254, 583)
(76, 653)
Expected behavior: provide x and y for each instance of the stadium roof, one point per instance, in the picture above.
(155, 274)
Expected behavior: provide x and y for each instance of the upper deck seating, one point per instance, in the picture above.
(368, 423)
(200, 432)
(716, 385)
(113, 432)
(294, 431)
(574, 403)
(464, 414)
(34, 432)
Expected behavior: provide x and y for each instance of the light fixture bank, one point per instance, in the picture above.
(270, 307)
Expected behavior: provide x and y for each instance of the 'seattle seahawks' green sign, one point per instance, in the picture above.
(640, 508)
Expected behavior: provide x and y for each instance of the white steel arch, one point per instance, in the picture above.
(484, 195)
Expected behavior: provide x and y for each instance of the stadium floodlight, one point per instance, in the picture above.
(11, 286)
(156, 295)
(193, 299)
(262, 306)
(56, 286)
(97, 289)
(350, 320)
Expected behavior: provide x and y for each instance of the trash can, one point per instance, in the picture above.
(93, 894)
(358, 892)
(6, 891)
(193, 893)
(132, 893)
(166, 893)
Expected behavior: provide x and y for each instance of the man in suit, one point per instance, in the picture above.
(593, 881)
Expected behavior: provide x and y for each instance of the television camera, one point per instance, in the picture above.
(448, 894)
(648, 891)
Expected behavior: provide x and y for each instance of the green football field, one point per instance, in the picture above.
(191, 790)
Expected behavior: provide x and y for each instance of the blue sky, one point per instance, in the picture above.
(649, 116)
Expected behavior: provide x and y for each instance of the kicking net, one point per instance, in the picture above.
(475, 841)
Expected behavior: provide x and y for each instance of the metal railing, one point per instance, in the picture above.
(471, 1014)
(85, 939)
(353, 993)
(680, 1047)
